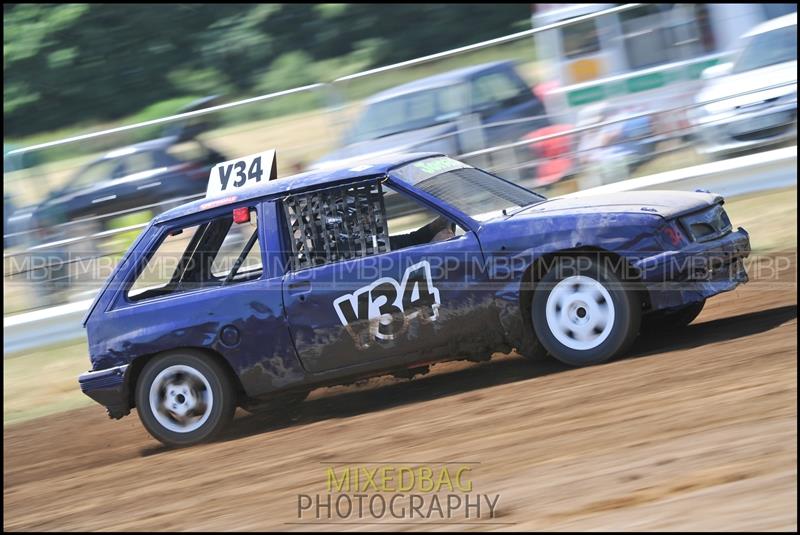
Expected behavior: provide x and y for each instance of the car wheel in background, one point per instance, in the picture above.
(583, 313)
(184, 398)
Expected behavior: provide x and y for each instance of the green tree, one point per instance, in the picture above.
(77, 64)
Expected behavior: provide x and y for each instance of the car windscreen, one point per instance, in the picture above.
(768, 48)
(476, 193)
(410, 111)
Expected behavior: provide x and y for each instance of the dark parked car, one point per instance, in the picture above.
(172, 166)
(455, 113)
(130, 177)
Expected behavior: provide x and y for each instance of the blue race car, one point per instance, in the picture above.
(266, 289)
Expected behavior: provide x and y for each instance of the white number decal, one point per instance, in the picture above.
(388, 305)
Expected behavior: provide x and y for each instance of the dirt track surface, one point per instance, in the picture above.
(694, 430)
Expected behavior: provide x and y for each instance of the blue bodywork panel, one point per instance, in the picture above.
(290, 329)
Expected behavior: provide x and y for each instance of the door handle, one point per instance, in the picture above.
(299, 287)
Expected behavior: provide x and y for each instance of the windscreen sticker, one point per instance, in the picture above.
(427, 168)
(382, 309)
(435, 166)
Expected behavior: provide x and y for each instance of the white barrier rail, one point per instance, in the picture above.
(428, 141)
(736, 176)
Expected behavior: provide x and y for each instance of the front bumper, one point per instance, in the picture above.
(746, 131)
(696, 272)
(108, 388)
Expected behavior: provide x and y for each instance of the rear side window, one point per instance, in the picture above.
(215, 253)
(499, 88)
(94, 173)
(140, 162)
(188, 152)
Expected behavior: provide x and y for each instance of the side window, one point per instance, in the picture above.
(233, 247)
(654, 34)
(335, 224)
(580, 39)
(162, 264)
(412, 223)
(356, 221)
(138, 162)
(188, 152)
(421, 106)
(215, 253)
(94, 173)
(452, 100)
(498, 88)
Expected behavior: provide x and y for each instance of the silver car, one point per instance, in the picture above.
(765, 70)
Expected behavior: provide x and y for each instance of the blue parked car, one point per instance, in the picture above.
(266, 289)
(453, 113)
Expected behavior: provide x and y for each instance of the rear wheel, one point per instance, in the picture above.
(184, 398)
(582, 312)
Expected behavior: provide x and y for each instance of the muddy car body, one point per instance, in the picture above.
(386, 267)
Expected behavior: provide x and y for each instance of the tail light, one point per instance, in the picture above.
(241, 215)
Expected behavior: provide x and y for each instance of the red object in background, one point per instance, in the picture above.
(193, 170)
(673, 235)
(541, 90)
(241, 215)
(555, 153)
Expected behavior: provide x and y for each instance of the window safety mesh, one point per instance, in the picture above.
(336, 224)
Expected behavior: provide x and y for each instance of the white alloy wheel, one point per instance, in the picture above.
(580, 312)
(181, 398)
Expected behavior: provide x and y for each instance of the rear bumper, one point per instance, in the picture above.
(699, 271)
(108, 388)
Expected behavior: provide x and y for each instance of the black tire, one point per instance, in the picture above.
(530, 347)
(614, 337)
(673, 319)
(222, 400)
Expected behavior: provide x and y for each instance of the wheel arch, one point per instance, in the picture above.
(138, 364)
(538, 268)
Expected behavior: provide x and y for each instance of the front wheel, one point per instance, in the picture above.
(583, 313)
(184, 398)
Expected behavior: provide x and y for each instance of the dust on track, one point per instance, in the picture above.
(695, 429)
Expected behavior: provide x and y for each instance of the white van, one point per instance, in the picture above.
(649, 56)
(766, 69)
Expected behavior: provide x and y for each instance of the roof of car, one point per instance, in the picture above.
(774, 24)
(437, 80)
(373, 166)
(160, 143)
